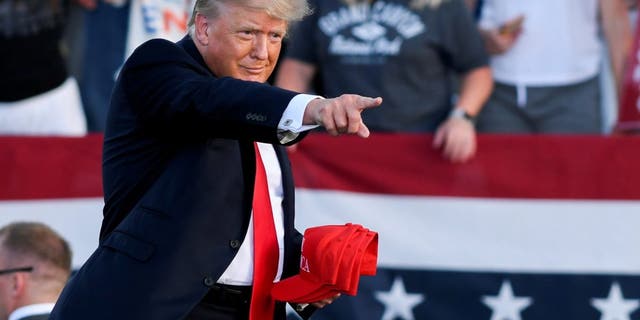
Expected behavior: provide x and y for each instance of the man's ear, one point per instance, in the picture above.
(202, 29)
(18, 284)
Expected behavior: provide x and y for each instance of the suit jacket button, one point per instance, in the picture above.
(235, 244)
(208, 281)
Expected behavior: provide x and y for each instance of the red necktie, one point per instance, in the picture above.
(265, 247)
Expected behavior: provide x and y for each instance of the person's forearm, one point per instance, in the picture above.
(617, 30)
(475, 89)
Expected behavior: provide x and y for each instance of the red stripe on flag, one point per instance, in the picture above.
(42, 168)
(553, 167)
(550, 167)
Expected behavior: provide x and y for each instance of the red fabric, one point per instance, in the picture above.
(333, 259)
(505, 166)
(629, 115)
(265, 247)
(361, 258)
(320, 264)
(50, 167)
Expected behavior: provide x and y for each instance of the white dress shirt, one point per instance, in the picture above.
(31, 310)
(240, 271)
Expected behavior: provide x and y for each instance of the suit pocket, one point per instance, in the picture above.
(130, 246)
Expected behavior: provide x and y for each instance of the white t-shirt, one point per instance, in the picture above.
(559, 43)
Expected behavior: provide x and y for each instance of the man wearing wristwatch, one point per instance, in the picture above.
(407, 57)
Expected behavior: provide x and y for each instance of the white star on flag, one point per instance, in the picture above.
(397, 302)
(615, 307)
(506, 306)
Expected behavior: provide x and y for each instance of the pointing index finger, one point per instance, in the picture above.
(368, 102)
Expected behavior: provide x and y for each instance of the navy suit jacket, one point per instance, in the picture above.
(178, 174)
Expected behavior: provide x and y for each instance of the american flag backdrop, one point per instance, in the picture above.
(533, 228)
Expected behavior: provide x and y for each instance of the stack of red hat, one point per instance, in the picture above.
(333, 259)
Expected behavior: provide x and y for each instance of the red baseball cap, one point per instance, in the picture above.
(322, 248)
(364, 262)
(360, 258)
(343, 279)
(369, 264)
(331, 262)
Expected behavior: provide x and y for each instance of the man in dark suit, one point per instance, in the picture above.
(179, 167)
(35, 263)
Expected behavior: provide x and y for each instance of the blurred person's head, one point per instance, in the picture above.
(242, 38)
(35, 264)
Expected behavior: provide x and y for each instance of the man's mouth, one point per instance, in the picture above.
(255, 70)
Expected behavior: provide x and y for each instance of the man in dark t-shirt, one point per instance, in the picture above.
(403, 50)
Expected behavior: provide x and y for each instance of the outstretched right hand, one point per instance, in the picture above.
(341, 115)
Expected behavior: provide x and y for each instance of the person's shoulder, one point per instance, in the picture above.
(156, 52)
(158, 48)
(158, 43)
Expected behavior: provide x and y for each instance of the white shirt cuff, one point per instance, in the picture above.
(291, 122)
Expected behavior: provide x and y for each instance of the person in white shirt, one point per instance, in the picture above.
(546, 60)
(35, 264)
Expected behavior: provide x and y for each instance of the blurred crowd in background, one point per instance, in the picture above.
(455, 68)
(451, 67)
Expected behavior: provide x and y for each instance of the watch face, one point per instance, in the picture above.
(462, 114)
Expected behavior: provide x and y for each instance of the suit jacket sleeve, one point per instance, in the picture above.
(170, 90)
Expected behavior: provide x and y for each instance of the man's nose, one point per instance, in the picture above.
(260, 47)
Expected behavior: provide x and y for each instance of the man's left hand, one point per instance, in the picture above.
(457, 138)
(323, 303)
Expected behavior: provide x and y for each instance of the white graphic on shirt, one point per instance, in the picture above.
(370, 30)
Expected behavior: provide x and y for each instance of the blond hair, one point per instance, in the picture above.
(287, 10)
